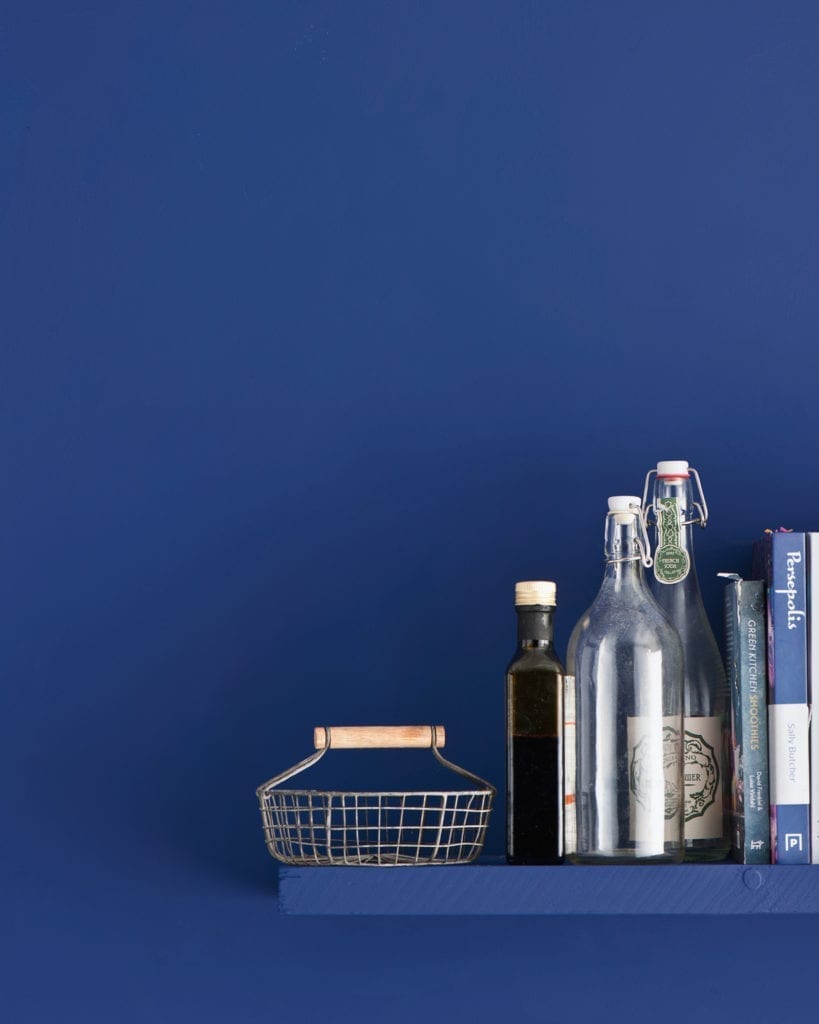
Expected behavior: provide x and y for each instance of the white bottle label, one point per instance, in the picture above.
(655, 797)
(702, 770)
(569, 767)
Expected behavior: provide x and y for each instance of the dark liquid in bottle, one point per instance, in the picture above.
(536, 800)
(534, 726)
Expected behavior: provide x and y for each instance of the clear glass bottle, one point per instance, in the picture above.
(674, 510)
(534, 720)
(626, 660)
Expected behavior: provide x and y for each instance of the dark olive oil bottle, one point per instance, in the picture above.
(534, 733)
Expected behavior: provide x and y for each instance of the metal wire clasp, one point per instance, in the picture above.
(643, 542)
(701, 506)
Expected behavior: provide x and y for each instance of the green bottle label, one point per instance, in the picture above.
(671, 562)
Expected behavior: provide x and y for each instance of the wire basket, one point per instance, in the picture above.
(308, 826)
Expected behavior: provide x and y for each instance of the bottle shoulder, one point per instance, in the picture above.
(637, 620)
(686, 612)
(534, 659)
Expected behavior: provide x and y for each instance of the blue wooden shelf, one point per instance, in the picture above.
(494, 888)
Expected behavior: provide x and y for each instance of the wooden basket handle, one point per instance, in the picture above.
(349, 737)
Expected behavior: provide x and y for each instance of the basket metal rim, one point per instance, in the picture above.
(429, 863)
(379, 792)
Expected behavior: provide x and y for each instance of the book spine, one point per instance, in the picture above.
(788, 736)
(745, 629)
(813, 687)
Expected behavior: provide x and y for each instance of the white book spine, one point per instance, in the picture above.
(569, 768)
(813, 689)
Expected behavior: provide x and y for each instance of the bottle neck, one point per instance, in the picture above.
(535, 626)
(624, 566)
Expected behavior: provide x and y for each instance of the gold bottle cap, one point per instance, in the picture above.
(535, 592)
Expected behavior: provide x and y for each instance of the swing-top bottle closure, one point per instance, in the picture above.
(623, 507)
(677, 469)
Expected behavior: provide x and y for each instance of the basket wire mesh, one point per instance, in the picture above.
(303, 826)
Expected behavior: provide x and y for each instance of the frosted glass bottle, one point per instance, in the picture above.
(673, 511)
(626, 660)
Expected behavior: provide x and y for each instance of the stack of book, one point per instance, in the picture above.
(772, 653)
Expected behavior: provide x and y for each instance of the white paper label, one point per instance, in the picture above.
(569, 767)
(655, 797)
(789, 768)
(702, 769)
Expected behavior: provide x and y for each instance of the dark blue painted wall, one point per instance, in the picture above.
(321, 324)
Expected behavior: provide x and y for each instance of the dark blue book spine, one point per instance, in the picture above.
(788, 717)
(746, 666)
